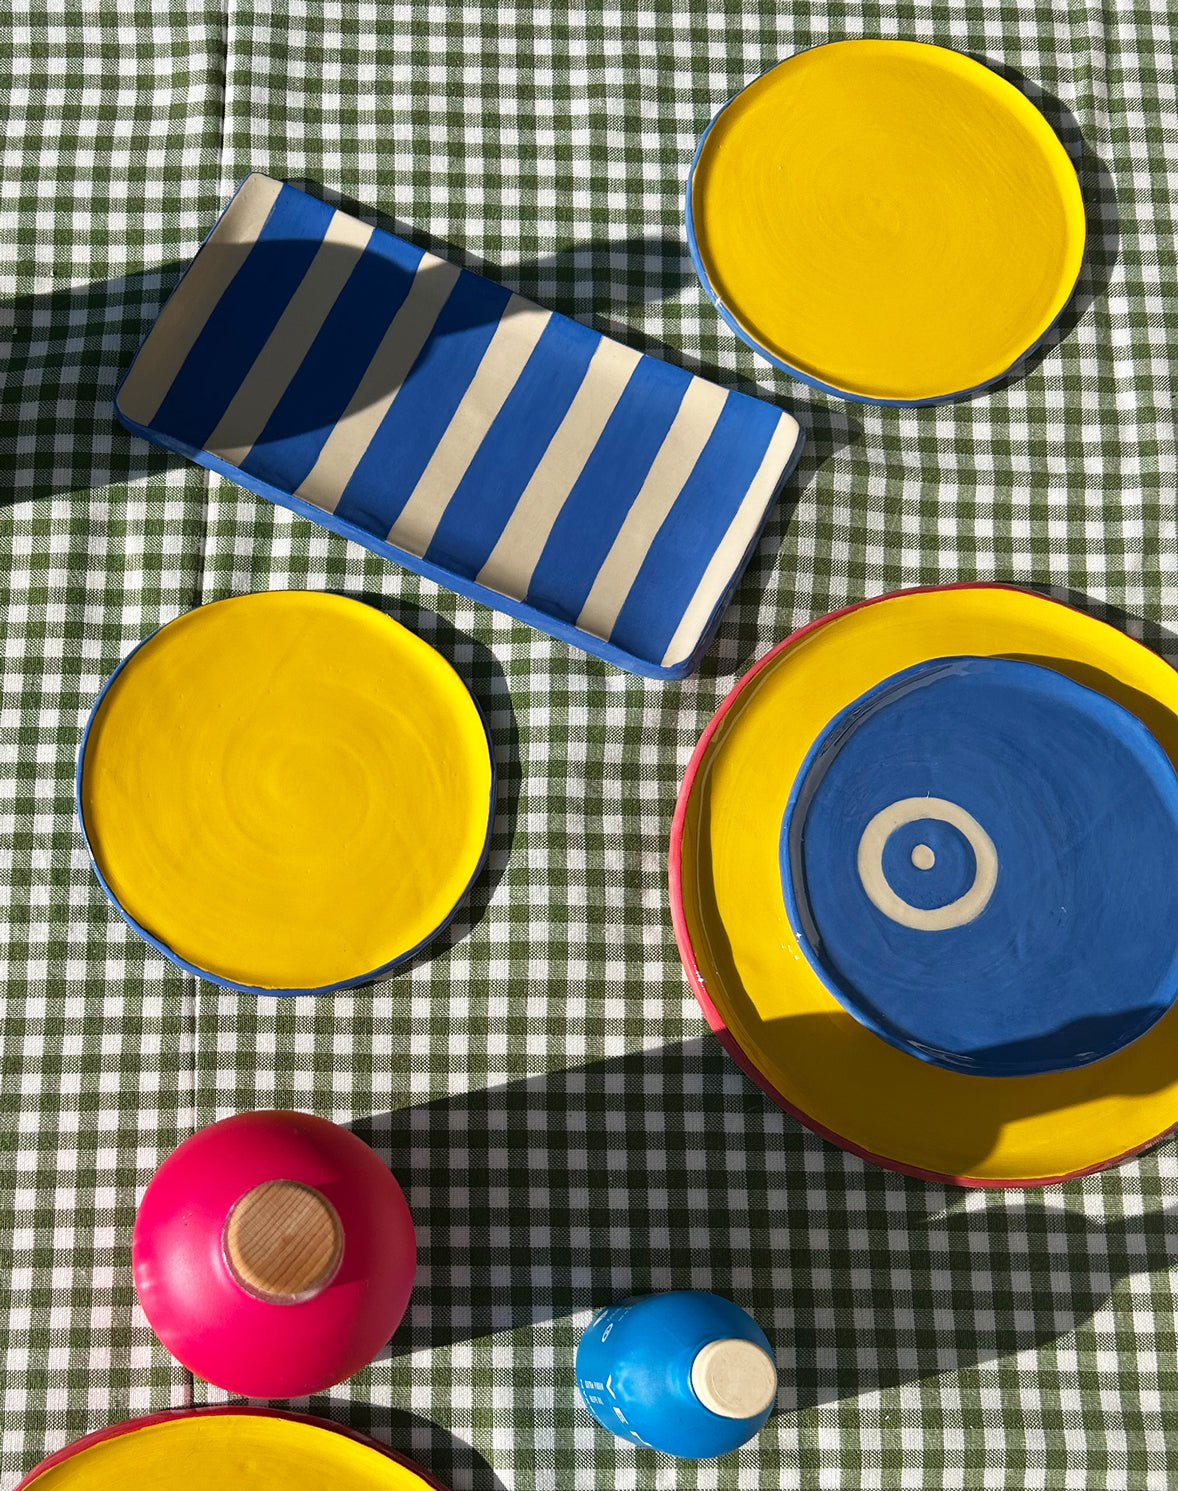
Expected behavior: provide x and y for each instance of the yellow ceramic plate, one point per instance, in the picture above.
(887, 219)
(226, 1450)
(752, 979)
(286, 791)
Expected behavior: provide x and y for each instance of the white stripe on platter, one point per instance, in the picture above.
(669, 471)
(184, 317)
(512, 562)
(290, 341)
(514, 341)
(743, 528)
(382, 381)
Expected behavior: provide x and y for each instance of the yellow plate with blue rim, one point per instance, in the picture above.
(286, 792)
(890, 221)
(752, 977)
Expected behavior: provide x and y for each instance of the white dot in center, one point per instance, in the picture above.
(923, 857)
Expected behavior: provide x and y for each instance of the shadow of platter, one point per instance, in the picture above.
(751, 976)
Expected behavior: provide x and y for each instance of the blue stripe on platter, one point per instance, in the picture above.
(517, 456)
(978, 859)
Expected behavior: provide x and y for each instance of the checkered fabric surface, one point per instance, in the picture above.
(540, 1080)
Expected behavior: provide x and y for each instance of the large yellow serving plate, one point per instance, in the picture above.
(889, 220)
(286, 791)
(758, 991)
(226, 1450)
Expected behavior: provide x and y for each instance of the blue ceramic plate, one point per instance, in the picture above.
(980, 860)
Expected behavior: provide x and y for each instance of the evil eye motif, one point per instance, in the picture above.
(958, 912)
(977, 858)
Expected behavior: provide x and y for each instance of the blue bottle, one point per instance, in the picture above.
(688, 1373)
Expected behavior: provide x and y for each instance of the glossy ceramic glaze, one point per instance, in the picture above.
(224, 1332)
(642, 1371)
(521, 458)
(227, 1449)
(754, 981)
(889, 220)
(286, 791)
(978, 859)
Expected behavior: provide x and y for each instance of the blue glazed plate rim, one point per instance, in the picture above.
(203, 973)
(749, 337)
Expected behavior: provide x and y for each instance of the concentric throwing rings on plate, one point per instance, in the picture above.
(286, 792)
(890, 221)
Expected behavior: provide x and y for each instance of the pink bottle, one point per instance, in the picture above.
(273, 1254)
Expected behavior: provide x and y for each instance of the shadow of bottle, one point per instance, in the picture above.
(550, 1196)
(449, 1462)
(454, 1462)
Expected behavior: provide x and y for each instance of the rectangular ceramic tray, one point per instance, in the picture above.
(505, 451)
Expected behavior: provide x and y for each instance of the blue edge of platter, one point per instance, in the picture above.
(725, 484)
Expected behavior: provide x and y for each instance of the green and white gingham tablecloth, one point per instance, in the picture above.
(541, 1081)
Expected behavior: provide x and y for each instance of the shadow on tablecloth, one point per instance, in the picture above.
(64, 352)
(552, 1196)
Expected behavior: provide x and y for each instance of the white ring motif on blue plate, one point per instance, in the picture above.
(959, 912)
(978, 861)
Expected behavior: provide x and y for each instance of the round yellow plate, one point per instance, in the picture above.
(227, 1450)
(889, 220)
(286, 791)
(752, 979)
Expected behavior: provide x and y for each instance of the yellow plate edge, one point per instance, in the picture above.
(129, 1453)
(1064, 172)
(311, 601)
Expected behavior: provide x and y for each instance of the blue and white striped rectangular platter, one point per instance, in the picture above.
(507, 452)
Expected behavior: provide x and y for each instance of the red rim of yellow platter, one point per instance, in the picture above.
(691, 965)
(129, 1426)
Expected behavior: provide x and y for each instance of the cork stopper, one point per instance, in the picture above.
(283, 1241)
(734, 1378)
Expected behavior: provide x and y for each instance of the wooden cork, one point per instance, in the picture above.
(734, 1378)
(283, 1241)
